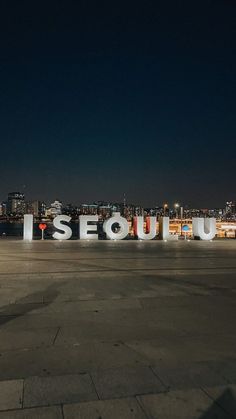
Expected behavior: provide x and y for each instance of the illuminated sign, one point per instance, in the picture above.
(117, 228)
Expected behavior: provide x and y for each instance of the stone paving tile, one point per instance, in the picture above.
(191, 404)
(164, 290)
(105, 409)
(53, 412)
(120, 325)
(46, 391)
(28, 338)
(157, 322)
(126, 381)
(226, 367)
(76, 307)
(225, 397)
(123, 318)
(192, 320)
(192, 376)
(11, 393)
(113, 333)
(154, 350)
(185, 349)
(59, 360)
(36, 322)
(190, 301)
(50, 266)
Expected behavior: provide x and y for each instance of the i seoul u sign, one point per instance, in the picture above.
(203, 228)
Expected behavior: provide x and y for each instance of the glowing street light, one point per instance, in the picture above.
(176, 205)
(165, 208)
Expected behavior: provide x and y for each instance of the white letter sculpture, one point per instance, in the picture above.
(67, 230)
(28, 227)
(123, 227)
(164, 228)
(204, 228)
(84, 227)
(138, 228)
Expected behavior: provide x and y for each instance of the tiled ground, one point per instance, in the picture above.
(117, 330)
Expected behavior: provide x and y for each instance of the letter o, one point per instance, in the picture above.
(124, 227)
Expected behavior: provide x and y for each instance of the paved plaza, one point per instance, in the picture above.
(117, 330)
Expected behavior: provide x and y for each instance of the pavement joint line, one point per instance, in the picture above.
(131, 270)
(90, 375)
(31, 259)
(55, 338)
(139, 299)
(142, 407)
(71, 301)
(61, 405)
(23, 394)
(215, 401)
(62, 412)
(22, 409)
(144, 358)
(161, 381)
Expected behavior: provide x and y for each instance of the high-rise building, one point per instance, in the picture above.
(16, 203)
(3, 209)
(230, 207)
(55, 209)
(37, 208)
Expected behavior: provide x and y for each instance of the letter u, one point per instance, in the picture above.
(138, 228)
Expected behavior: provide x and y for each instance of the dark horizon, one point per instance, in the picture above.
(104, 99)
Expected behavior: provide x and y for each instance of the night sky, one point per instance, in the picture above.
(100, 98)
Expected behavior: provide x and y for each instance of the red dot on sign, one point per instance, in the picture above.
(42, 226)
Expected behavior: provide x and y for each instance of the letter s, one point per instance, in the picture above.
(67, 230)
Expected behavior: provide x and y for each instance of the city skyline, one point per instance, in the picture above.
(104, 99)
(77, 200)
(173, 205)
